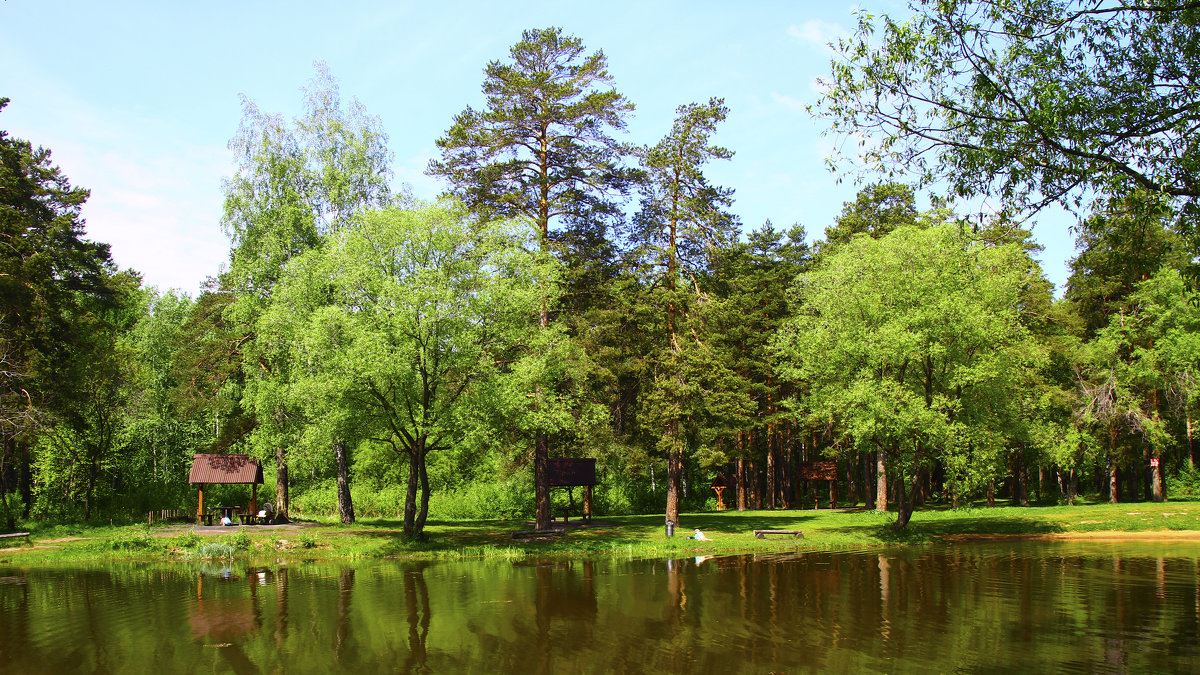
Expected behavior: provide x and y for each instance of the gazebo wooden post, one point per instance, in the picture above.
(253, 499)
(200, 507)
(587, 504)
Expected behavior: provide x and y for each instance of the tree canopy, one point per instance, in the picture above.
(396, 324)
(1030, 101)
(908, 345)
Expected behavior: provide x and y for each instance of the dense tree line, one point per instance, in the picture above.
(575, 295)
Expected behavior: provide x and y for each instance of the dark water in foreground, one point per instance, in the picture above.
(969, 608)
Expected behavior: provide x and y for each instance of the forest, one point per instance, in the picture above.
(573, 295)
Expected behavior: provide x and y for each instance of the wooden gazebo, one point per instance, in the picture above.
(224, 470)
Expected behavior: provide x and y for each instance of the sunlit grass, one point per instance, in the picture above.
(639, 536)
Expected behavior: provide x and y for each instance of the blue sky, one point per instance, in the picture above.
(138, 101)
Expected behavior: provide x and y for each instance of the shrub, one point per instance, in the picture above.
(187, 539)
(135, 540)
(510, 499)
(315, 501)
(240, 540)
(216, 551)
(1184, 483)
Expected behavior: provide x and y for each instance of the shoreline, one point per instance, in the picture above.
(1095, 535)
(634, 535)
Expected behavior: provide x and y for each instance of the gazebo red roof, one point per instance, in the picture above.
(210, 469)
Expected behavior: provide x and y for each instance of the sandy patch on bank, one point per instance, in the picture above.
(1100, 535)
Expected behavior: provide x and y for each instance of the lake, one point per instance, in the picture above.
(972, 607)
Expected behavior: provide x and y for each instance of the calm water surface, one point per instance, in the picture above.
(969, 608)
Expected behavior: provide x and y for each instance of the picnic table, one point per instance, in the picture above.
(230, 512)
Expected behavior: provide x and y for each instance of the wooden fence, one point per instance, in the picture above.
(168, 514)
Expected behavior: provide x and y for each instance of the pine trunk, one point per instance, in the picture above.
(772, 485)
(881, 481)
(674, 474)
(741, 480)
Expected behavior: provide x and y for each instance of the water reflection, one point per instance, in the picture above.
(223, 621)
(1057, 607)
(416, 600)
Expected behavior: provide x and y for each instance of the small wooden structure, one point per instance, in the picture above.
(225, 470)
(821, 471)
(718, 485)
(573, 472)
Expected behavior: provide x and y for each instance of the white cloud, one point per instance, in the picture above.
(160, 212)
(155, 194)
(789, 102)
(818, 33)
(411, 171)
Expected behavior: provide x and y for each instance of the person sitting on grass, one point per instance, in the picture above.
(699, 536)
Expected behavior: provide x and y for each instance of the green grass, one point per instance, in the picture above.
(627, 536)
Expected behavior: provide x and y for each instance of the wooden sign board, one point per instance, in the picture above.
(818, 471)
(568, 472)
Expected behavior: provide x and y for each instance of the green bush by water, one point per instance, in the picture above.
(216, 551)
(133, 540)
(240, 540)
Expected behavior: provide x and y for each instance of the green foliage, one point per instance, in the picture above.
(396, 330)
(914, 343)
(216, 551)
(240, 540)
(1031, 101)
(188, 539)
(690, 396)
(1125, 241)
(542, 147)
(307, 540)
(133, 540)
(876, 210)
(435, 345)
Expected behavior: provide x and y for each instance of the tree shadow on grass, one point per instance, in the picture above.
(967, 527)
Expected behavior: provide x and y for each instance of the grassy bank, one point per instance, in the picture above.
(642, 536)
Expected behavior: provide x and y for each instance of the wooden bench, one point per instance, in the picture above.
(760, 534)
(552, 532)
(17, 535)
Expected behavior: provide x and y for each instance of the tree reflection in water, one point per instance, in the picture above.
(933, 608)
(225, 622)
(416, 599)
(341, 634)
